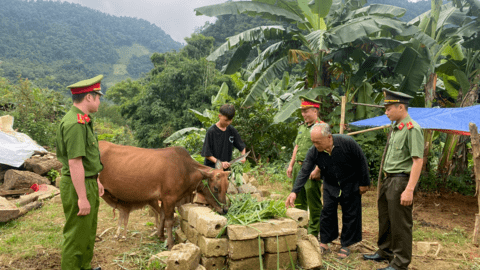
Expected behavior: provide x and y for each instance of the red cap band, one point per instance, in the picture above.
(86, 89)
(308, 104)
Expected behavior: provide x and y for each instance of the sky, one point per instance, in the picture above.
(175, 17)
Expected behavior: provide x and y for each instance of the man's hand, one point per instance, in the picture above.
(290, 202)
(101, 189)
(315, 175)
(363, 189)
(225, 165)
(289, 171)
(406, 198)
(84, 207)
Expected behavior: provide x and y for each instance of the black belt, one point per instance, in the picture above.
(396, 174)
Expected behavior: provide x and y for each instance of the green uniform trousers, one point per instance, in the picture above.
(309, 198)
(79, 231)
(395, 223)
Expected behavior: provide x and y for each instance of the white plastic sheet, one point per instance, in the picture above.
(15, 147)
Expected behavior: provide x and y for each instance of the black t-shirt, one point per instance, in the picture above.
(220, 144)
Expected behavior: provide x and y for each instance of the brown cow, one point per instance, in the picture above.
(134, 177)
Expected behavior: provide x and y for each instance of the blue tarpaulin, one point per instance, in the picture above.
(449, 120)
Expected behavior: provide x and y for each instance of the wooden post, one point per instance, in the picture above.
(342, 115)
(476, 167)
(367, 130)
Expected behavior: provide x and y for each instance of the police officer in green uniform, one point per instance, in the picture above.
(77, 149)
(310, 195)
(403, 164)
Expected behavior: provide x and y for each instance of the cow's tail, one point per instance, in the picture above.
(113, 213)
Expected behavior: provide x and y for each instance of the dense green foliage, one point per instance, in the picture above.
(71, 42)
(413, 9)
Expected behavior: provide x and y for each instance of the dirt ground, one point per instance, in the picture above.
(441, 214)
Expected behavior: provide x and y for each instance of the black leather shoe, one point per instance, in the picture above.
(387, 268)
(373, 257)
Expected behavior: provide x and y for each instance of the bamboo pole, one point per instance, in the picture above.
(368, 105)
(342, 116)
(475, 140)
(367, 130)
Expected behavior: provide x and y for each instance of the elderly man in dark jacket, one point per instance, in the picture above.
(345, 176)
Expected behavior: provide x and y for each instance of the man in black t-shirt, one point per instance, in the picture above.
(221, 138)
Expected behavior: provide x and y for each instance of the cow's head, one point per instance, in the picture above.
(214, 189)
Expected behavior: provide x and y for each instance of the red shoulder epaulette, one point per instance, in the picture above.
(401, 126)
(81, 119)
(409, 125)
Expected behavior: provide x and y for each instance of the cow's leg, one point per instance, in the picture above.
(159, 219)
(120, 219)
(125, 223)
(168, 209)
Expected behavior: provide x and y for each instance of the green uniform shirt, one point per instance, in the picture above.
(405, 143)
(304, 141)
(78, 140)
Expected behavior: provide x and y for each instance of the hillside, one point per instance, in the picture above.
(64, 42)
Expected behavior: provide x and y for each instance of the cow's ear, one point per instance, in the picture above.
(206, 174)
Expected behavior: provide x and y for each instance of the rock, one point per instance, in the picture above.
(199, 198)
(299, 215)
(285, 259)
(247, 188)
(200, 267)
(15, 179)
(213, 247)
(249, 263)
(254, 182)
(301, 232)
(274, 227)
(258, 197)
(42, 165)
(2, 176)
(8, 210)
(184, 257)
(285, 243)
(264, 191)
(45, 192)
(231, 188)
(245, 248)
(245, 178)
(214, 263)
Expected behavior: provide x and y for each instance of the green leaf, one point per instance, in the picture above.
(240, 55)
(220, 98)
(414, 68)
(203, 117)
(255, 35)
(320, 7)
(274, 71)
(179, 134)
(263, 10)
(363, 96)
(462, 79)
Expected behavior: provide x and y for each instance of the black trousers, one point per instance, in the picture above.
(351, 218)
(395, 223)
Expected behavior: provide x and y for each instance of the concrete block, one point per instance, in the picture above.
(285, 260)
(180, 236)
(160, 259)
(301, 232)
(200, 267)
(309, 256)
(285, 243)
(214, 263)
(273, 227)
(213, 247)
(211, 224)
(257, 196)
(183, 209)
(231, 188)
(190, 232)
(247, 188)
(248, 263)
(184, 257)
(245, 248)
(299, 215)
(196, 212)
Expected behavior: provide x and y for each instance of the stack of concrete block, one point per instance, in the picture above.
(248, 245)
(206, 229)
(181, 257)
